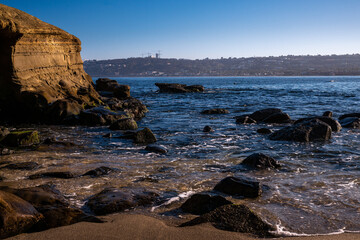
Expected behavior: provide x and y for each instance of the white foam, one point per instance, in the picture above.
(174, 199)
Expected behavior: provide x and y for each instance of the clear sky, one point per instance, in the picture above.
(203, 28)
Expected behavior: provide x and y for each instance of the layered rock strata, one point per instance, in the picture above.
(39, 64)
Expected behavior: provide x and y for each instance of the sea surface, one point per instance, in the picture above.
(317, 190)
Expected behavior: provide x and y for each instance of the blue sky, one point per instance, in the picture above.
(197, 29)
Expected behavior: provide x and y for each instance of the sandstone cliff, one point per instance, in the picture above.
(39, 64)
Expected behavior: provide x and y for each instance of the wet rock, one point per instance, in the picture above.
(133, 107)
(53, 205)
(350, 122)
(215, 111)
(112, 200)
(124, 124)
(127, 135)
(64, 175)
(260, 161)
(53, 141)
(201, 203)
(178, 88)
(16, 215)
(108, 135)
(239, 187)
(144, 136)
(277, 118)
(261, 115)
(328, 114)
(335, 125)
(22, 166)
(244, 120)
(63, 110)
(100, 116)
(100, 171)
(264, 131)
(307, 131)
(349, 115)
(45, 72)
(3, 132)
(5, 151)
(235, 218)
(156, 148)
(21, 138)
(119, 91)
(208, 129)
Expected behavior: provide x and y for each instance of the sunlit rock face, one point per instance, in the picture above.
(39, 64)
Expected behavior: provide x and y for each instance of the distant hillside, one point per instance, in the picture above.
(255, 66)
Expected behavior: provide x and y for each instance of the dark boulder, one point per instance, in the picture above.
(307, 131)
(260, 115)
(260, 161)
(328, 114)
(113, 200)
(239, 187)
(208, 129)
(201, 203)
(100, 171)
(16, 215)
(63, 110)
(53, 205)
(264, 131)
(215, 111)
(124, 124)
(22, 166)
(349, 115)
(144, 136)
(244, 120)
(350, 122)
(277, 118)
(64, 175)
(100, 116)
(108, 85)
(335, 125)
(21, 138)
(235, 218)
(178, 88)
(133, 107)
(156, 148)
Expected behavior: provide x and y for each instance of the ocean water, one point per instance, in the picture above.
(317, 190)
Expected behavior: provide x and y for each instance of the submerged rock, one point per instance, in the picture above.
(244, 120)
(156, 148)
(260, 161)
(144, 136)
(21, 138)
(64, 175)
(178, 88)
(124, 124)
(350, 122)
(307, 131)
(40, 65)
(239, 187)
(215, 111)
(264, 131)
(235, 218)
(201, 203)
(357, 115)
(112, 200)
(208, 129)
(16, 215)
(22, 166)
(100, 171)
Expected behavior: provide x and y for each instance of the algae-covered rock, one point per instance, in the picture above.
(21, 138)
(124, 124)
(144, 136)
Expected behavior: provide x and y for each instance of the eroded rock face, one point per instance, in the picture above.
(39, 64)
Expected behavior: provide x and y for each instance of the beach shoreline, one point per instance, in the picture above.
(135, 226)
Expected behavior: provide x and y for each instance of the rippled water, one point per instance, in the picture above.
(316, 190)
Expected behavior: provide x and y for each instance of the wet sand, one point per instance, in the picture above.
(130, 226)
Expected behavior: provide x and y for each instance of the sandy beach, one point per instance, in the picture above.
(131, 226)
